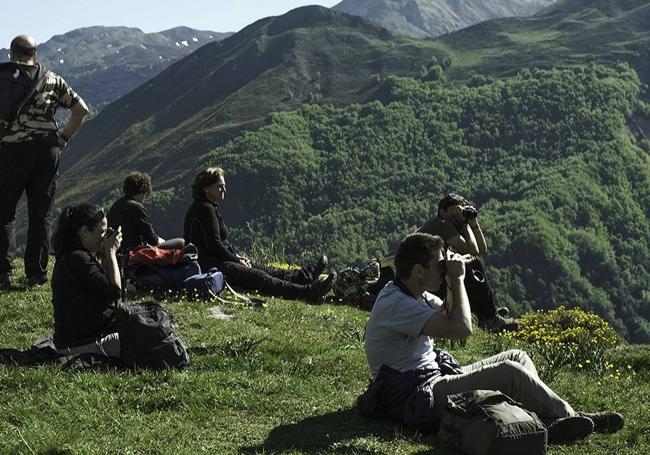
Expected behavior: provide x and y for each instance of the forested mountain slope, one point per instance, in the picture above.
(563, 189)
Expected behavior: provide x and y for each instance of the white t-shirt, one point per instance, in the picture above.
(393, 332)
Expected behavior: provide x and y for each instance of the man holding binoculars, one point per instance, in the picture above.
(411, 379)
(457, 224)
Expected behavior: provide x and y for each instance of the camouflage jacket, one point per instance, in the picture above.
(36, 120)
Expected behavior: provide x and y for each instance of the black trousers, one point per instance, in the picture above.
(30, 167)
(290, 284)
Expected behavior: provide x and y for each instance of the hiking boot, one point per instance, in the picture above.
(314, 270)
(605, 422)
(318, 289)
(5, 280)
(35, 281)
(569, 429)
(499, 324)
(503, 311)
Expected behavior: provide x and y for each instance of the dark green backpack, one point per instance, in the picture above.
(147, 338)
(487, 422)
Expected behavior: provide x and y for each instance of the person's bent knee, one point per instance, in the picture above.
(518, 355)
(512, 367)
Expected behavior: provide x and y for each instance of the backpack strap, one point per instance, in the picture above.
(37, 86)
(256, 302)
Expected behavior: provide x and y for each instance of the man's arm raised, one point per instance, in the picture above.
(456, 324)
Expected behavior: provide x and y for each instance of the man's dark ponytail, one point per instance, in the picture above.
(72, 218)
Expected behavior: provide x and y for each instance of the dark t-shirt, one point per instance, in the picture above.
(440, 227)
(82, 296)
(134, 219)
(204, 227)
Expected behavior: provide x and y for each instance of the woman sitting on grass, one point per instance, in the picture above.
(83, 289)
(205, 228)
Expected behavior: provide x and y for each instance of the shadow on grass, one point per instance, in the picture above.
(341, 432)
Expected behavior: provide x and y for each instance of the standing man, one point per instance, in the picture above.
(30, 147)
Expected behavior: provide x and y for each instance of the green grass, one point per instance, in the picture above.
(280, 379)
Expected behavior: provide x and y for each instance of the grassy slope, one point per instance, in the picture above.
(569, 33)
(292, 392)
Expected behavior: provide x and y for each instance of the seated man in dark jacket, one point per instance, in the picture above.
(411, 380)
(129, 213)
(205, 228)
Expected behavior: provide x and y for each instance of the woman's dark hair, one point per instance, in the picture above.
(418, 248)
(72, 218)
(137, 183)
(203, 179)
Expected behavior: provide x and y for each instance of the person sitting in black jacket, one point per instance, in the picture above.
(84, 290)
(129, 213)
(205, 228)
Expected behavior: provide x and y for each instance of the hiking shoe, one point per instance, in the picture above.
(34, 281)
(503, 311)
(318, 289)
(314, 270)
(5, 280)
(605, 422)
(499, 324)
(569, 429)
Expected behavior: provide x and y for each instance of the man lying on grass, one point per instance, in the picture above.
(411, 379)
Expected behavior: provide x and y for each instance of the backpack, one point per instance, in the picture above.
(487, 422)
(204, 286)
(479, 292)
(147, 339)
(478, 288)
(352, 282)
(160, 279)
(17, 89)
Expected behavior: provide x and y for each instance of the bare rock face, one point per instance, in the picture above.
(428, 18)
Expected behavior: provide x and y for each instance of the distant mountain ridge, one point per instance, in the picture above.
(310, 54)
(570, 32)
(104, 63)
(430, 18)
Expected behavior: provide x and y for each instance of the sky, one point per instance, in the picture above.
(45, 18)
